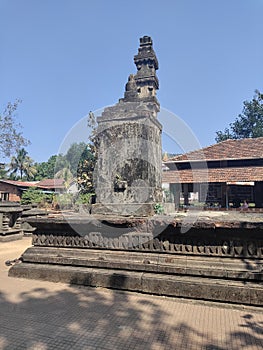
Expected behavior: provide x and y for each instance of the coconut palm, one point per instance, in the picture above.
(30, 169)
(22, 164)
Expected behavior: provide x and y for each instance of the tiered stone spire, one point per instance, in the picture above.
(144, 84)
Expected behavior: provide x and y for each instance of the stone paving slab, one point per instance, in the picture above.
(39, 315)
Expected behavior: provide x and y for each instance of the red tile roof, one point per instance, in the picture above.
(20, 183)
(51, 184)
(240, 174)
(45, 184)
(230, 149)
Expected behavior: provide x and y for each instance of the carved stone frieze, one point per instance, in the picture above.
(146, 242)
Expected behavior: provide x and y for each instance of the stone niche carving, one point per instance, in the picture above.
(10, 221)
(128, 173)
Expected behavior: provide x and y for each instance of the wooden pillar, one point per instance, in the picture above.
(175, 190)
(225, 199)
(186, 193)
(258, 194)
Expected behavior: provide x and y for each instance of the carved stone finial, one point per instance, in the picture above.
(131, 89)
(131, 85)
(143, 85)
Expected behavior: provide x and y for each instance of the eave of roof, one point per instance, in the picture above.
(242, 174)
(251, 148)
(20, 183)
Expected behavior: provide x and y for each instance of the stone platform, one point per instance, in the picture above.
(213, 260)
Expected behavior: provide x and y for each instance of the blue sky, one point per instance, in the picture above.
(63, 58)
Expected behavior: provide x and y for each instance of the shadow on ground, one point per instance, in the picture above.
(89, 318)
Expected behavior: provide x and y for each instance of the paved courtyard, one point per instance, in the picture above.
(38, 315)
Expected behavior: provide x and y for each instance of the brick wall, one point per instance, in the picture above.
(14, 192)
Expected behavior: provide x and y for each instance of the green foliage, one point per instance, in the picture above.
(79, 163)
(3, 171)
(22, 164)
(64, 200)
(167, 195)
(75, 155)
(46, 170)
(84, 198)
(249, 124)
(61, 163)
(88, 162)
(11, 139)
(85, 170)
(158, 208)
(35, 196)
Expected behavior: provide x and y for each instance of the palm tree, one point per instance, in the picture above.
(22, 164)
(30, 169)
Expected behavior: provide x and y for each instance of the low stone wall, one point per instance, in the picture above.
(234, 239)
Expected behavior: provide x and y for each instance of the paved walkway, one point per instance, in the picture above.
(36, 315)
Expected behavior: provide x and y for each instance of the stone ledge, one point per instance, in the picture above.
(127, 209)
(198, 222)
(225, 268)
(169, 285)
(8, 237)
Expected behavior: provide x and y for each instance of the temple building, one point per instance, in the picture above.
(224, 174)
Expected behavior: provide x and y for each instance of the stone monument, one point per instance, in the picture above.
(128, 138)
(219, 261)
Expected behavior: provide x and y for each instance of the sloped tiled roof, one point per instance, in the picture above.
(45, 184)
(51, 183)
(240, 174)
(20, 183)
(250, 148)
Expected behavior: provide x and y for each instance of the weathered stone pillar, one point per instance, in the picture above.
(128, 172)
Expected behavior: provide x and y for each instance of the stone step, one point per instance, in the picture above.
(213, 267)
(11, 235)
(194, 287)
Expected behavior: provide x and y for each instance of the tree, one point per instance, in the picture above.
(42, 171)
(29, 169)
(11, 139)
(3, 171)
(88, 160)
(47, 170)
(35, 196)
(85, 170)
(78, 163)
(249, 124)
(61, 163)
(22, 164)
(74, 155)
(32, 196)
